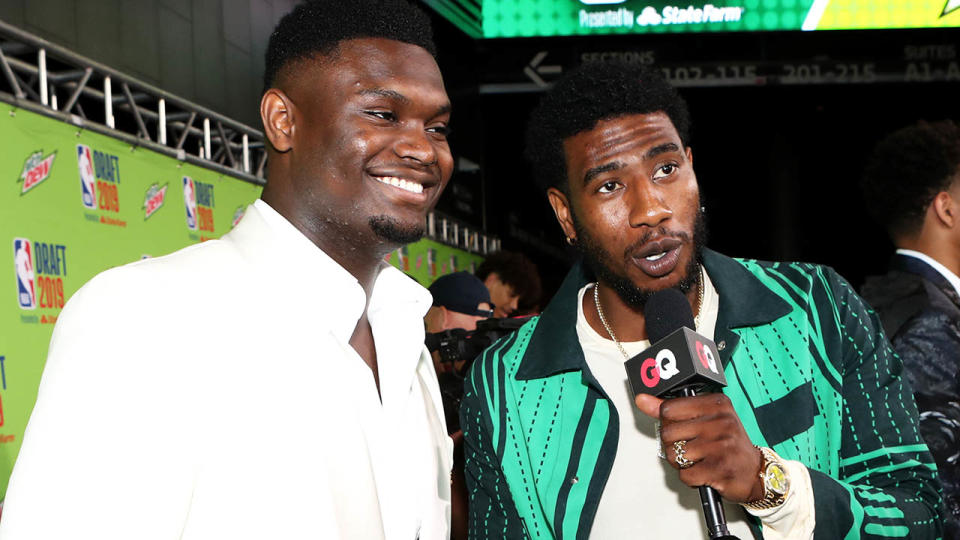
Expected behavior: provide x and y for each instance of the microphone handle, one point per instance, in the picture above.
(711, 502)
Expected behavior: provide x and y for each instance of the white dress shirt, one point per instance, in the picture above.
(213, 393)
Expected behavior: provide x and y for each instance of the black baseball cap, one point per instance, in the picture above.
(461, 292)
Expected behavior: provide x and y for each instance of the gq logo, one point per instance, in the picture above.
(664, 366)
(706, 357)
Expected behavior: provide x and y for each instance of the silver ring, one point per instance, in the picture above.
(680, 447)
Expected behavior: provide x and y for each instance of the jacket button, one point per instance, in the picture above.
(574, 480)
(722, 345)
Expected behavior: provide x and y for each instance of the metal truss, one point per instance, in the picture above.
(54, 81)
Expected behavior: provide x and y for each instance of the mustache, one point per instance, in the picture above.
(658, 234)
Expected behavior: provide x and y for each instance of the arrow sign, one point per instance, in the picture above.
(950, 7)
(534, 70)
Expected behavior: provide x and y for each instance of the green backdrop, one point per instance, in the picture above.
(74, 203)
(426, 260)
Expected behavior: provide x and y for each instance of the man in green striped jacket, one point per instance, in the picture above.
(815, 436)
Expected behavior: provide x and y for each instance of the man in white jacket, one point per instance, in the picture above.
(274, 383)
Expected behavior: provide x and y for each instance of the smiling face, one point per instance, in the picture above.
(633, 205)
(360, 140)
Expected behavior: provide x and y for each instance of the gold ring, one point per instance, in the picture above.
(680, 447)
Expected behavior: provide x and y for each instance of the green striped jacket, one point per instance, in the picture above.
(809, 372)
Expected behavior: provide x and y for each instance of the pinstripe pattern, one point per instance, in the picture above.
(810, 374)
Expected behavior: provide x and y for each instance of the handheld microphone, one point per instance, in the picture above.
(679, 362)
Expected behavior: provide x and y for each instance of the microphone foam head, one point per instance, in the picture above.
(665, 312)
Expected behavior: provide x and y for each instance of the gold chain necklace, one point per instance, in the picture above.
(603, 319)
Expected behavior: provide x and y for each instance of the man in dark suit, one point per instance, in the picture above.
(912, 186)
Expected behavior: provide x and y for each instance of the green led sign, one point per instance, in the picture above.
(531, 18)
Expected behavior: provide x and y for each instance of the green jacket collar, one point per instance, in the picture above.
(744, 301)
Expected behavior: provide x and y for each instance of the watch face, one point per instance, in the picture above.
(776, 480)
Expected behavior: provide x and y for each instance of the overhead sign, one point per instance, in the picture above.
(533, 18)
(906, 57)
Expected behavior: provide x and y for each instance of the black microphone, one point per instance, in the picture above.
(679, 362)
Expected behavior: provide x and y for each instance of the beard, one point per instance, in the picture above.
(393, 231)
(599, 261)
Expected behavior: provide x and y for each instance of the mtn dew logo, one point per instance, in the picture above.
(36, 169)
(154, 199)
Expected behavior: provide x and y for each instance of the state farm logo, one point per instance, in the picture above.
(36, 169)
(198, 203)
(154, 199)
(709, 13)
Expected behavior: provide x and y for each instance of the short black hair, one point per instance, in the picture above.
(318, 27)
(906, 171)
(517, 271)
(593, 92)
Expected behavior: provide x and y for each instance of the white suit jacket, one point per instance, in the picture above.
(210, 394)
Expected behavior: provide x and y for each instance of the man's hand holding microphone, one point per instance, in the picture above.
(713, 442)
(702, 436)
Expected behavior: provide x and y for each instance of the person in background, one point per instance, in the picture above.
(459, 301)
(513, 282)
(273, 383)
(912, 187)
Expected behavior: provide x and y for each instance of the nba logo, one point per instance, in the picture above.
(432, 262)
(190, 202)
(23, 264)
(453, 263)
(88, 182)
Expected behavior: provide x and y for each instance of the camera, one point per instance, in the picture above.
(459, 345)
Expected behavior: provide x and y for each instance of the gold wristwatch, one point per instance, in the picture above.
(776, 482)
